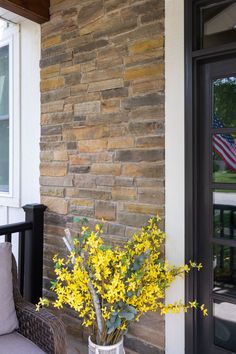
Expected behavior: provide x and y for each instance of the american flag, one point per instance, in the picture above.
(224, 145)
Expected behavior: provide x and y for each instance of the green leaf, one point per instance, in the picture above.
(127, 315)
(139, 260)
(105, 247)
(109, 324)
(117, 322)
(113, 318)
(110, 330)
(124, 259)
(139, 274)
(131, 309)
(58, 265)
(115, 313)
(85, 236)
(136, 266)
(113, 325)
(53, 284)
(77, 219)
(142, 258)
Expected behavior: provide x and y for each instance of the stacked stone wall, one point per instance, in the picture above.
(102, 121)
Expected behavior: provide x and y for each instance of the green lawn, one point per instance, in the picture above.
(224, 177)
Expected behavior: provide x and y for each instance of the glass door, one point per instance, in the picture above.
(216, 205)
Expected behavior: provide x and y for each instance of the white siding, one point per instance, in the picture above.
(30, 123)
(174, 71)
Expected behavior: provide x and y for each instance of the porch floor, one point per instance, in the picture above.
(75, 346)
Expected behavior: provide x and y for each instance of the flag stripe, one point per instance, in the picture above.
(231, 153)
(224, 145)
(223, 153)
(232, 147)
(225, 148)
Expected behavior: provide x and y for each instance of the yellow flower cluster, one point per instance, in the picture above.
(127, 281)
(71, 288)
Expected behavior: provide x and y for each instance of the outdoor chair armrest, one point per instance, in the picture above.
(43, 328)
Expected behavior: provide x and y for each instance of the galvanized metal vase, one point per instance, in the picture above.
(117, 348)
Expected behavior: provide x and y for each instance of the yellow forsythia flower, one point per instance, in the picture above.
(128, 281)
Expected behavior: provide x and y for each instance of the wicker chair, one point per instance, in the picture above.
(43, 328)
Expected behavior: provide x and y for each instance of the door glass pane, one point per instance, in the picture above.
(224, 264)
(217, 24)
(4, 119)
(224, 214)
(224, 102)
(224, 325)
(224, 158)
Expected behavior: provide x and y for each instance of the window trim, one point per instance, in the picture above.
(174, 164)
(192, 57)
(12, 38)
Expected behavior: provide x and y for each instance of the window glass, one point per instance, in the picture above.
(224, 157)
(224, 325)
(224, 102)
(224, 264)
(4, 119)
(224, 214)
(218, 24)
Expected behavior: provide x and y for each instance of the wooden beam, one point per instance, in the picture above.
(34, 10)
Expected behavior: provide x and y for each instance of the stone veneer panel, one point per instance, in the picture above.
(102, 134)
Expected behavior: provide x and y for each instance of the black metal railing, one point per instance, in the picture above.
(225, 229)
(30, 250)
(225, 220)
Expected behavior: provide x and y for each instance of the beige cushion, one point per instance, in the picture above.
(15, 343)
(8, 319)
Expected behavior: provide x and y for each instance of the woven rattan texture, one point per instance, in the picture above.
(43, 328)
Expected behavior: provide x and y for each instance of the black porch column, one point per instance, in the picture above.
(33, 247)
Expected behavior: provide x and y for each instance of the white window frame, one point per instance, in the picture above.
(11, 37)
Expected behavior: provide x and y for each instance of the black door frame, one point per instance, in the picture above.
(192, 59)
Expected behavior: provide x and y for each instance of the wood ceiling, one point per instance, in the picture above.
(34, 10)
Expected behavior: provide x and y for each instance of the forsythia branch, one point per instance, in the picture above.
(96, 301)
(69, 242)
